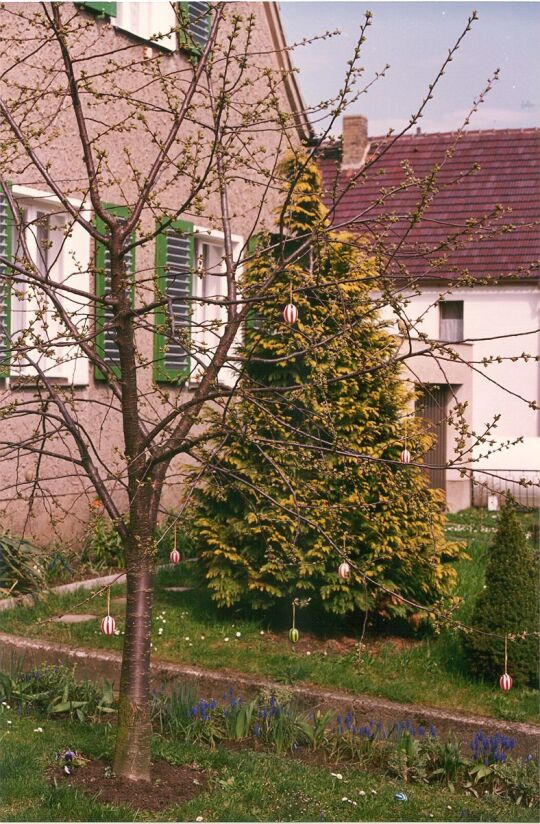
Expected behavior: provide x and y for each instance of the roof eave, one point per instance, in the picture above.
(292, 91)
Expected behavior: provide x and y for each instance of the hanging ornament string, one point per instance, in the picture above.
(290, 313)
(294, 635)
(505, 681)
(366, 611)
(174, 556)
(108, 624)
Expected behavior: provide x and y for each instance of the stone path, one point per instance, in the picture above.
(74, 618)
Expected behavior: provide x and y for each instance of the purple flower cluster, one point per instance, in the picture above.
(272, 710)
(346, 725)
(491, 749)
(415, 732)
(203, 710)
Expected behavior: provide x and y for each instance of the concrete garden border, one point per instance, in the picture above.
(29, 600)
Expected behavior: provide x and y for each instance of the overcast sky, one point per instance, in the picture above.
(414, 37)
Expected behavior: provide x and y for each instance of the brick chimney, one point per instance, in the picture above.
(355, 141)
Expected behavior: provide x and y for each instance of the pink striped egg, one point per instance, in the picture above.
(405, 456)
(108, 625)
(290, 313)
(174, 557)
(505, 682)
(344, 571)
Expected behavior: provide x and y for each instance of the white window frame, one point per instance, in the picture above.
(212, 284)
(70, 265)
(145, 20)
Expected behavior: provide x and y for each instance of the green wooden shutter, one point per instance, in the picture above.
(108, 9)
(175, 261)
(195, 25)
(6, 224)
(105, 344)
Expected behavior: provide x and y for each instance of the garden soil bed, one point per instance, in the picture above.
(168, 786)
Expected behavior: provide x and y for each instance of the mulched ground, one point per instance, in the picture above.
(168, 786)
(341, 646)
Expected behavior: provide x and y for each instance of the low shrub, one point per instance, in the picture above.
(102, 548)
(507, 605)
(53, 691)
(22, 566)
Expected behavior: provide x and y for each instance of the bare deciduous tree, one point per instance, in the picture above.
(125, 170)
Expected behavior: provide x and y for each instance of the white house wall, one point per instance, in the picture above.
(511, 314)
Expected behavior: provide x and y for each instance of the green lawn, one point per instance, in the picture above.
(244, 785)
(188, 628)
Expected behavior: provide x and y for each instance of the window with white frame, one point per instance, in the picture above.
(147, 20)
(211, 287)
(34, 339)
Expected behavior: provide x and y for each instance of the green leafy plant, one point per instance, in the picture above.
(445, 761)
(22, 566)
(102, 547)
(314, 730)
(238, 719)
(406, 758)
(53, 691)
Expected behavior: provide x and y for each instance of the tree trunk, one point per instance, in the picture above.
(134, 732)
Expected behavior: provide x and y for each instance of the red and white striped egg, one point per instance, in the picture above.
(290, 313)
(344, 571)
(505, 682)
(405, 457)
(174, 557)
(108, 625)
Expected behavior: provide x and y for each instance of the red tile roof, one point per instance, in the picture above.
(508, 175)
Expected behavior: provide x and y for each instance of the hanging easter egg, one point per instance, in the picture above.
(344, 571)
(174, 557)
(405, 457)
(290, 314)
(108, 625)
(294, 635)
(505, 682)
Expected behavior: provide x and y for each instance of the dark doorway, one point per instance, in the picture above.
(431, 405)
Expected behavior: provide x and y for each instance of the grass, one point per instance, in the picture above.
(244, 786)
(189, 629)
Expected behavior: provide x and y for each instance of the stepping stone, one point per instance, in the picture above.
(177, 589)
(80, 618)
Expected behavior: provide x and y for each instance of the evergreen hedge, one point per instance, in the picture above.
(288, 480)
(508, 604)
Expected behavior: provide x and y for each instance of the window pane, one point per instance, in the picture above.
(451, 320)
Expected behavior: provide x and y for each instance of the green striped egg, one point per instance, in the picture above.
(294, 635)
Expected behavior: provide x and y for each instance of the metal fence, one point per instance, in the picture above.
(522, 484)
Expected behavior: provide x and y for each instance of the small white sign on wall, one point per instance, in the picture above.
(493, 503)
